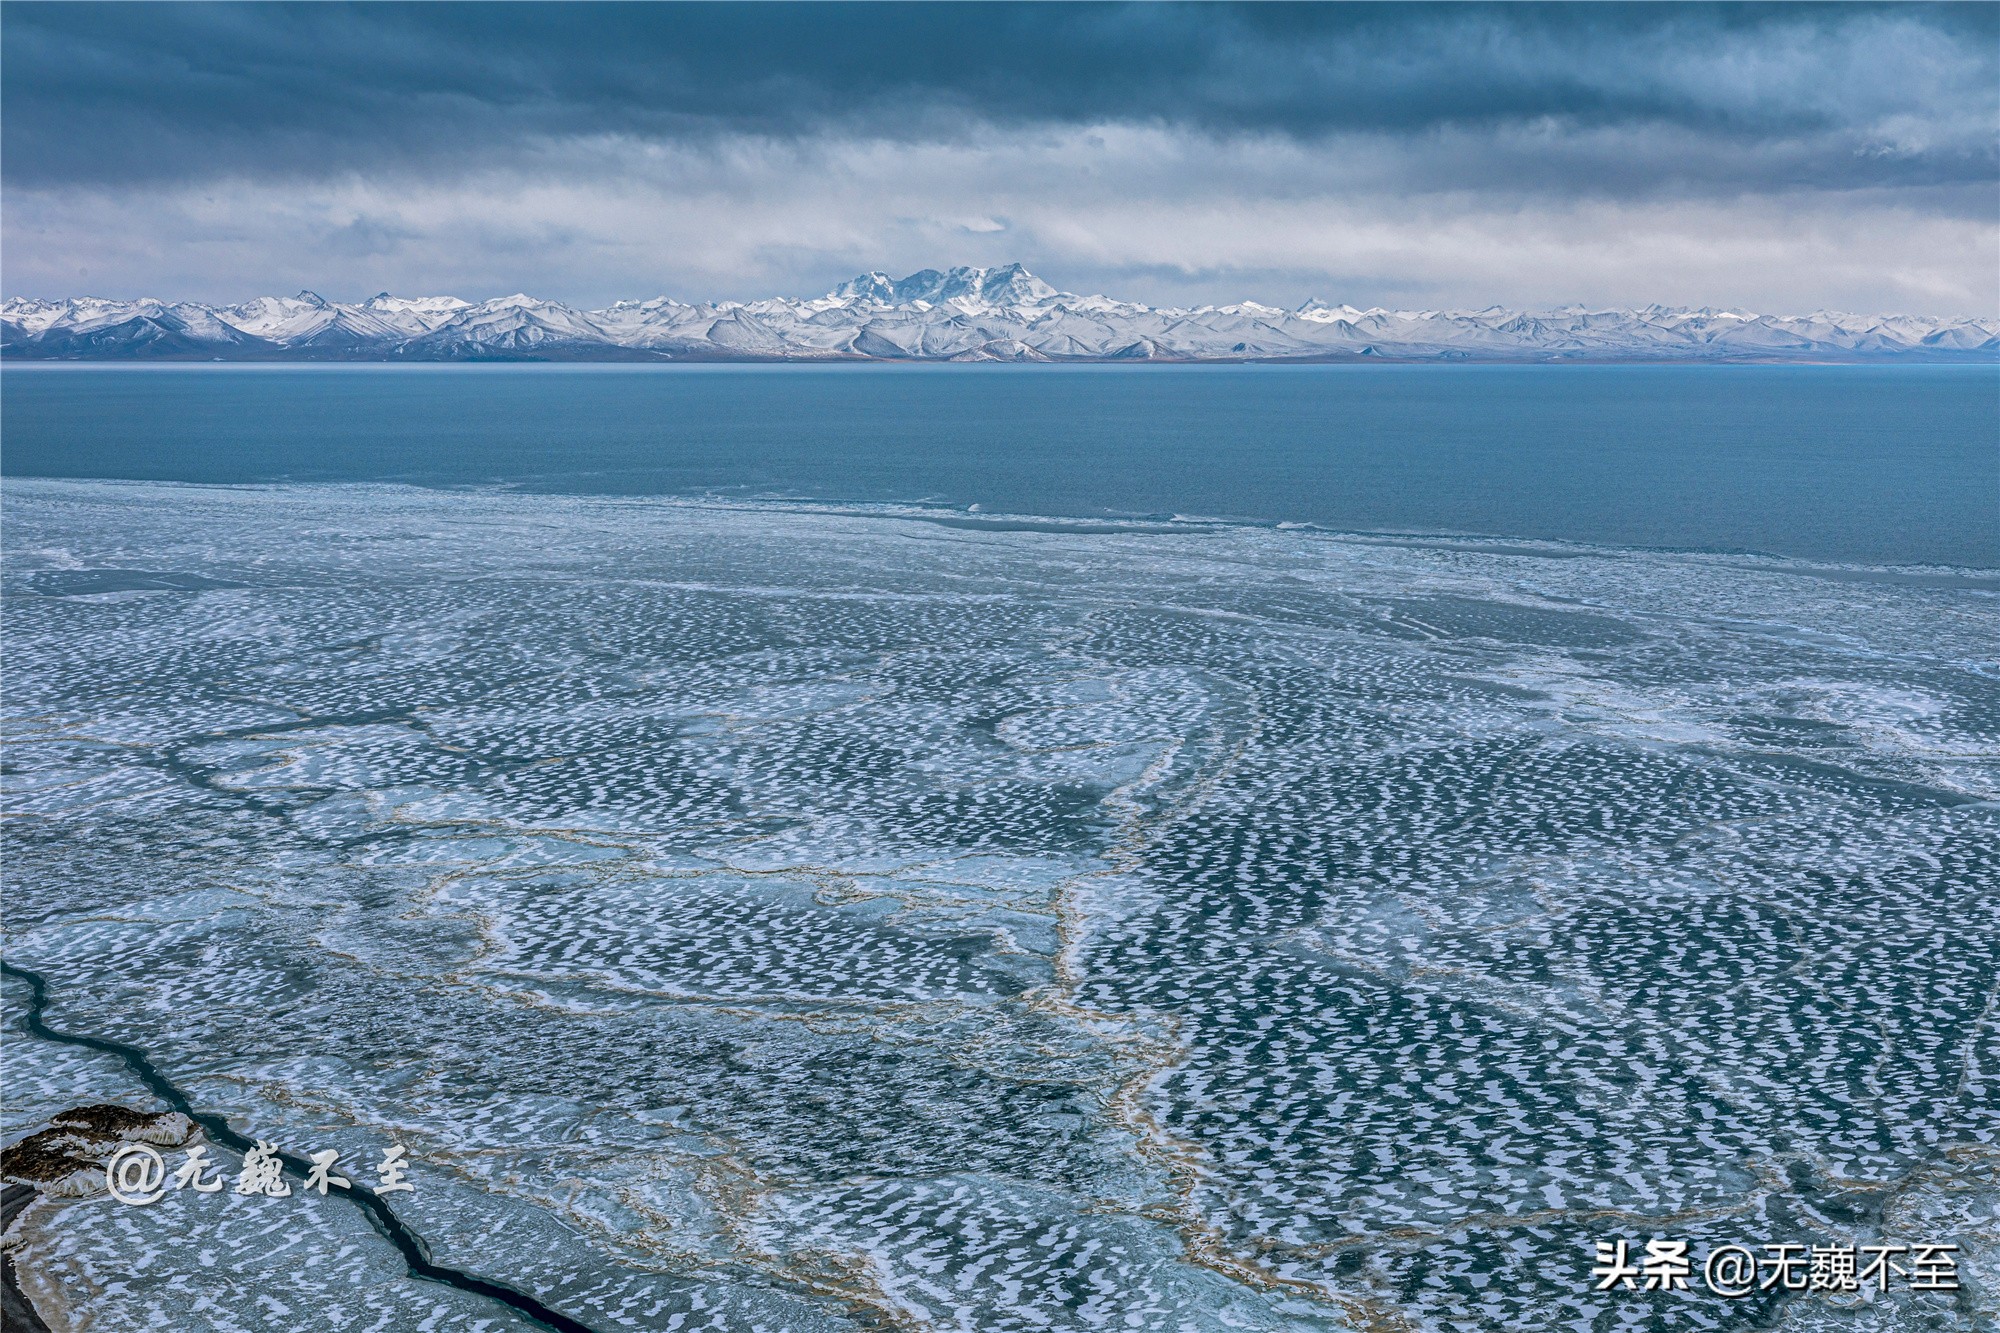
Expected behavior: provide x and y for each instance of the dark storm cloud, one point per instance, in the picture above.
(1788, 157)
(1616, 100)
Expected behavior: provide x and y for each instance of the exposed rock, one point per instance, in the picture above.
(68, 1158)
(126, 1124)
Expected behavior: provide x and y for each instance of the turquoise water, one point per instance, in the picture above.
(1874, 464)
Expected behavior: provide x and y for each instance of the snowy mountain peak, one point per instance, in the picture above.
(964, 313)
(1011, 285)
(1321, 313)
(876, 287)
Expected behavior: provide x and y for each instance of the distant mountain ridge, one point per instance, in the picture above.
(958, 314)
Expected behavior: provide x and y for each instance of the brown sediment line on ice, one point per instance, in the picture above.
(1152, 1055)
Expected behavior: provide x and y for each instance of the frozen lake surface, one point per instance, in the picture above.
(802, 917)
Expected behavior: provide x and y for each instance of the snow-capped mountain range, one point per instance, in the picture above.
(960, 314)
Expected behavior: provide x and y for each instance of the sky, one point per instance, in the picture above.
(1781, 159)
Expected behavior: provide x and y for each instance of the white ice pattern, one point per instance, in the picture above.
(758, 916)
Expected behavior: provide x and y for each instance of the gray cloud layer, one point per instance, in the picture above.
(735, 149)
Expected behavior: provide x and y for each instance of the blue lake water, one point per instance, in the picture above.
(1869, 464)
